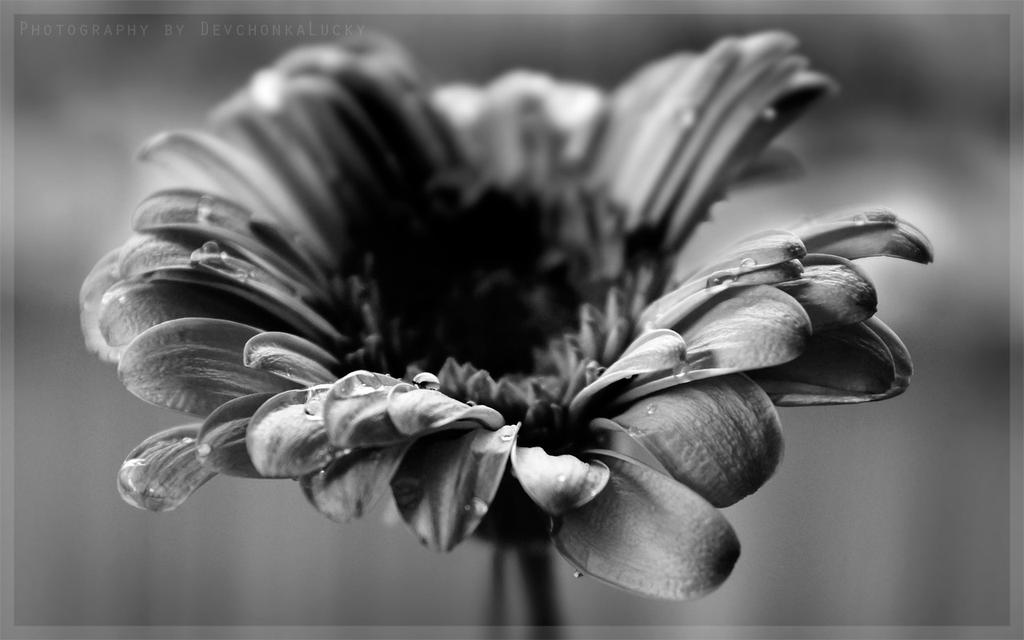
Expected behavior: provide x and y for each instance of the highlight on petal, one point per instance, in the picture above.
(286, 437)
(351, 485)
(648, 534)
(194, 365)
(846, 365)
(557, 483)
(290, 356)
(719, 436)
(163, 470)
(220, 444)
(876, 232)
(833, 291)
(765, 249)
(445, 484)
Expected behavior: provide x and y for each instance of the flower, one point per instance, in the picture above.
(470, 298)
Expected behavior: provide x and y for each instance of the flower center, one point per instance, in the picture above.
(474, 280)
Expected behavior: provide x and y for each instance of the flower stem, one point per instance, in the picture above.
(496, 608)
(541, 596)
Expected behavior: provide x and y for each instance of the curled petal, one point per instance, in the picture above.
(834, 292)
(648, 534)
(445, 485)
(290, 356)
(367, 410)
(753, 327)
(194, 365)
(661, 350)
(871, 233)
(720, 436)
(355, 411)
(350, 486)
(766, 249)
(558, 483)
(163, 470)
(850, 364)
(286, 436)
(220, 444)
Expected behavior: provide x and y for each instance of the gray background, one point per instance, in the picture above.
(887, 514)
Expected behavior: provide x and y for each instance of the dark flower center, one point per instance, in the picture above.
(472, 277)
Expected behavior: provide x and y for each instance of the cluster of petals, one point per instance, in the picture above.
(285, 294)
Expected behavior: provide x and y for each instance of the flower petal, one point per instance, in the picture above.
(286, 437)
(660, 350)
(875, 232)
(558, 483)
(445, 485)
(350, 486)
(367, 410)
(414, 411)
(215, 218)
(849, 364)
(193, 365)
(163, 470)
(290, 356)
(355, 411)
(834, 292)
(132, 306)
(720, 436)
(220, 444)
(102, 276)
(240, 176)
(750, 328)
(648, 534)
(765, 249)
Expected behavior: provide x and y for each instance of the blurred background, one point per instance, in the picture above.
(888, 514)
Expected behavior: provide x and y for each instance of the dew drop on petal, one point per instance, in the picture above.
(747, 263)
(685, 117)
(203, 450)
(860, 220)
(427, 380)
(577, 574)
(507, 436)
(204, 210)
(187, 440)
(651, 409)
(561, 478)
(314, 406)
(479, 506)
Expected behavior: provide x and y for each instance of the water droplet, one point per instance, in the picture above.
(577, 574)
(204, 210)
(507, 435)
(314, 406)
(651, 409)
(860, 220)
(479, 506)
(561, 478)
(747, 263)
(426, 380)
(769, 114)
(187, 440)
(204, 450)
(685, 117)
(720, 279)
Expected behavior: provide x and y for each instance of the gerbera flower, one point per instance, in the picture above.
(469, 298)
